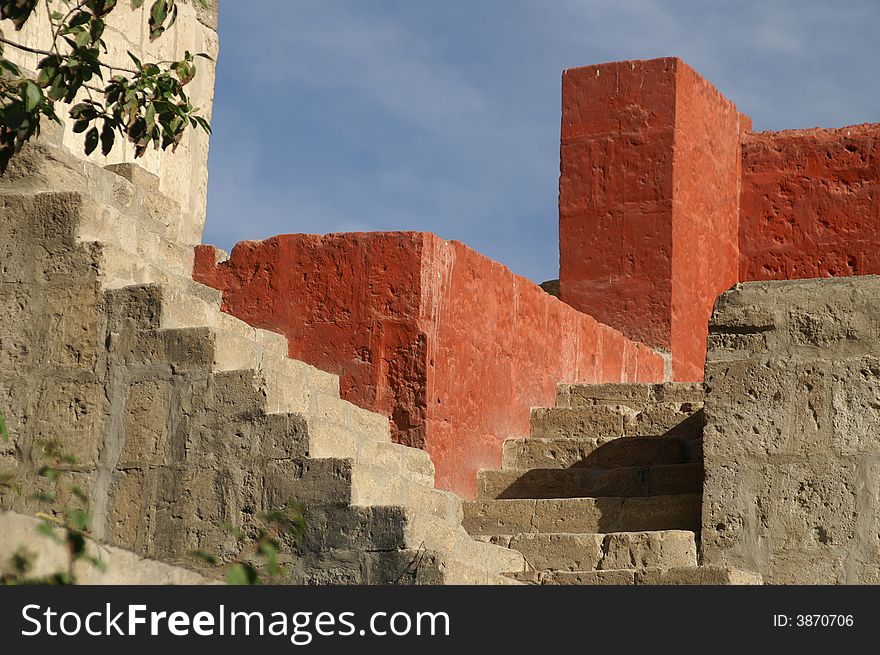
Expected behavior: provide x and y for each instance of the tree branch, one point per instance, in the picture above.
(47, 53)
(35, 51)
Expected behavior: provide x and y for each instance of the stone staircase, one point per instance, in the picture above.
(185, 418)
(607, 489)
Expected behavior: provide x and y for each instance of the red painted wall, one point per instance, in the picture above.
(615, 195)
(649, 201)
(810, 203)
(705, 213)
(452, 346)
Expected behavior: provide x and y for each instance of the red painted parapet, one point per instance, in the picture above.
(810, 203)
(649, 201)
(452, 346)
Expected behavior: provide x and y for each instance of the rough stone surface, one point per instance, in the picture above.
(176, 419)
(415, 326)
(589, 552)
(584, 481)
(791, 452)
(809, 203)
(648, 201)
(686, 575)
(21, 535)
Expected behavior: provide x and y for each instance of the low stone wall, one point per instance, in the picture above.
(792, 435)
(22, 536)
(452, 346)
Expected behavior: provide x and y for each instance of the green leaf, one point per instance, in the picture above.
(137, 62)
(32, 95)
(80, 18)
(108, 137)
(4, 429)
(242, 574)
(78, 519)
(158, 14)
(48, 472)
(10, 67)
(92, 138)
(137, 4)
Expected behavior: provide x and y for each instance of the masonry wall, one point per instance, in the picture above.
(666, 199)
(649, 201)
(183, 174)
(452, 346)
(615, 195)
(705, 219)
(810, 203)
(791, 446)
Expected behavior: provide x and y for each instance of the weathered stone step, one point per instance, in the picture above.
(563, 452)
(289, 384)
(384, 484)
(583, 515)
(395, 458)
(688, 575)
(636, 396)
(592, 552)
(458, 547)
(603, 421)
(45, 168)
(581, 482)
(131, 245)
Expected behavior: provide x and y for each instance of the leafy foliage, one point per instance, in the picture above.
(146, 104)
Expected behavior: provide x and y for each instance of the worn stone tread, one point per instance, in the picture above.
(581, 482)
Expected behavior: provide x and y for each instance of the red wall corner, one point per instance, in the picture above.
(649, 202)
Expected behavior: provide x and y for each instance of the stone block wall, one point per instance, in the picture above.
(183, 174)
(452, 346)
(792, 435)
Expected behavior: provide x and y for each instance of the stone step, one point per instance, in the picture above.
(564, 453)
(604, 421)
(43, 167)
(415, 463)
(338, 428)
(583, 515)
(582, 482)
(458, 547)
(594, 552)
(686, 575)
(289, 384)
(637, 396)
(132, 245)
(120, 269)
(378, 484)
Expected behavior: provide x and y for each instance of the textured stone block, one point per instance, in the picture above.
(789, 443)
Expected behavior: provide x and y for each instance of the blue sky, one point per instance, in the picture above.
(350, 115)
